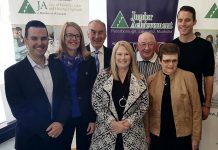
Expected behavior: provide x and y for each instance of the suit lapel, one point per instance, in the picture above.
(106, 57)
(137, 87)
(53, 73)
(108, 88)
(135, 90)
(33, 79)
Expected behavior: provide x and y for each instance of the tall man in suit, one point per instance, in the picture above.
(97, 36)
(37, 93)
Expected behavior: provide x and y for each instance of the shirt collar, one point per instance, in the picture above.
(33, 64)
(100, 50)
(152, 60)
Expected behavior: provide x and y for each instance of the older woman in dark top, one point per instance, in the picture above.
(175, 109)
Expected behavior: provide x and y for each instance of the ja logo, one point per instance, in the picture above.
(119, 22)
(213, 13)
(26, 7)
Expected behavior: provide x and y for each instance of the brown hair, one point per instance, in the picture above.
(82, 48)
(189, 9)
(168, 48)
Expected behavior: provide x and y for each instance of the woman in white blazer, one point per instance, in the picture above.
(120, 100)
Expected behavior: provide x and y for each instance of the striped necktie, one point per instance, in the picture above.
(97, 60)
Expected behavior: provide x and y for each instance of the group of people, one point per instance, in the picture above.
(114, 98)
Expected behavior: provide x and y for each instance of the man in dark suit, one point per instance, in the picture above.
(37, 93)
(97, 36)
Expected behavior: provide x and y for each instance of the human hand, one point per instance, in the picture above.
(55, 129)
(119, 126)
(91, 128)
(148, 140)
(126, 123)
(205, 112)
(195, 145)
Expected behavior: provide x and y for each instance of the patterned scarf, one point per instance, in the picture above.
(71, 62)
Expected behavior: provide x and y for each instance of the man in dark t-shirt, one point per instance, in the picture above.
(196, 55)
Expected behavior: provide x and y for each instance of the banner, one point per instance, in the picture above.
(51, 12)
(54, 13)
(126, 22)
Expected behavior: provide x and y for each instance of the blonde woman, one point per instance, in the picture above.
(120, 100)
(81, 72)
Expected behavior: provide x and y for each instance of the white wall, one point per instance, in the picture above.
(97, 10)
(6, 57)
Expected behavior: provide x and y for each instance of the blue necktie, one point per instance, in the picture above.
(97, 60)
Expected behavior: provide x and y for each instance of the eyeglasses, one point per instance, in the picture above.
(70, 36)
(168, 61)
(144, 45)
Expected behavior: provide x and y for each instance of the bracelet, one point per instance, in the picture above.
(206, 105)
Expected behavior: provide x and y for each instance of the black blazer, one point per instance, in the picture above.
(107, 55)
(29, 103)
(85, 79)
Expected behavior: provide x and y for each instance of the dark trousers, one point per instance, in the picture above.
(82, 139)
(166, 143)
(38, 143)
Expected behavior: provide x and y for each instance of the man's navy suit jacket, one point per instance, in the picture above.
(29, 103)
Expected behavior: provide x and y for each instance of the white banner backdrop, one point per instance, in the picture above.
(202, 8)
(51, 12)
(54, 13)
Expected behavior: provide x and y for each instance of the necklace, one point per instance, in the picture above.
(125, 87)
(122, 102)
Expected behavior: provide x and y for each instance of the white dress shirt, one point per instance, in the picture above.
(100, 55)
(44, 75)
